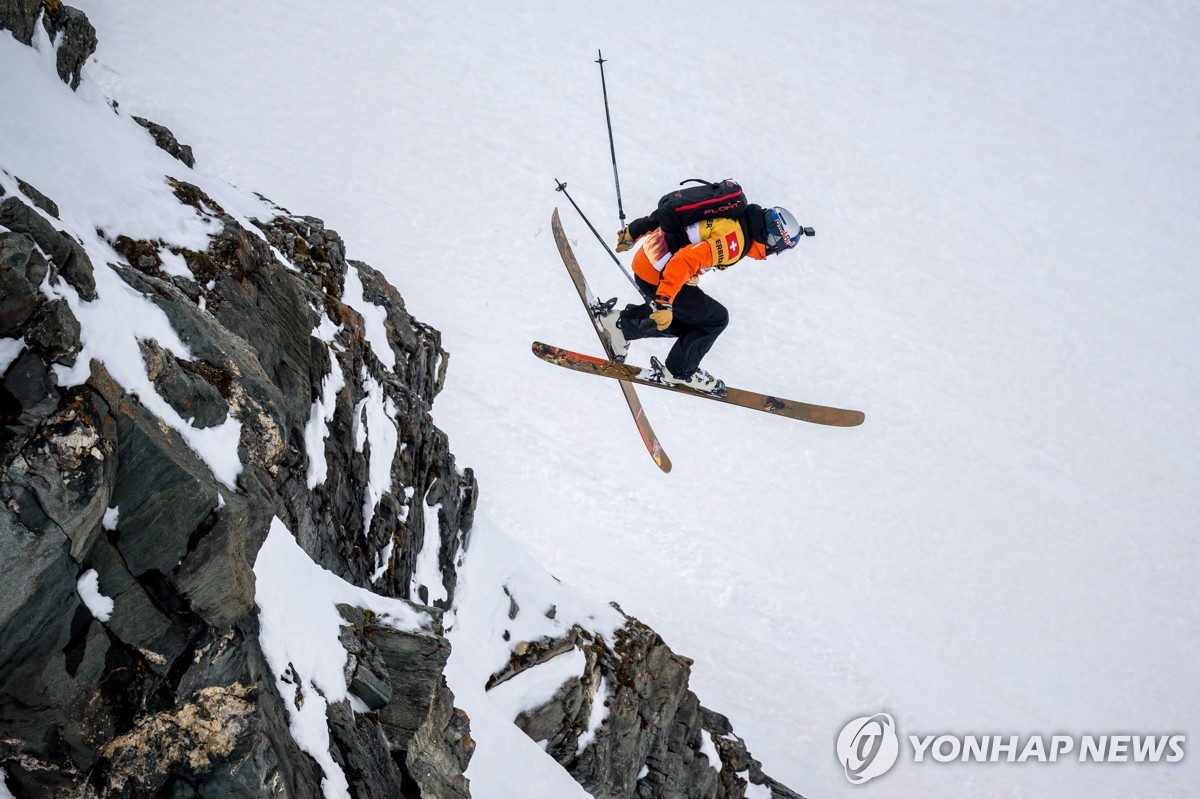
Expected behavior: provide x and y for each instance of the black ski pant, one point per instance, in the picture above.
(697, 321)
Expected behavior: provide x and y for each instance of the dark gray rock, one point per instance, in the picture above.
(559, 715)
(61, 477)
(737, 760)
(20, 17)
(27, 396)
(221, 733)
(54, 332)
(428, 735)
(22, 270)
(158, 516)
(166, 140)
(39, 560)
(147, 615)
(191, 388)
(367, 673)
(425, 362)
(652, 721)
(19, 253)
(179, 564)
(216, 577)
(67, 258)
(38, 199)
(54, 703)
(264, 761)
(422, 465)
(527, 654)
(79, 39)
(305, 242)
(363, 753)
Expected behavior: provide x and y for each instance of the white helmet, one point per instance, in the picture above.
(783, 231)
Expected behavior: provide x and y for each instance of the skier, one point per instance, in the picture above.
(670, 275)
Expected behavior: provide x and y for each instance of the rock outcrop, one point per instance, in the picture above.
(21, 18)
(654, 738)
(172, 690)
(132, 654)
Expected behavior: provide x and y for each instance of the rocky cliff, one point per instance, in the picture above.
(233, 535)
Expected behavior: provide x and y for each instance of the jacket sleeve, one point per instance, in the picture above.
(641, 226)
(683, 266)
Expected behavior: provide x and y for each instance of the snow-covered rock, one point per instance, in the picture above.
(234, 536)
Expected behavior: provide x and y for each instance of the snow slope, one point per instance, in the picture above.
(1003, 279)
(110, 177)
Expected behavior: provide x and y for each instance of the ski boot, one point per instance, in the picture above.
(699, 380)
(610, 321)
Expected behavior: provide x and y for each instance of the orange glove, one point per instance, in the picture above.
(624, 240)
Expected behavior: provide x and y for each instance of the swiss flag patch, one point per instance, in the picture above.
(731, 244)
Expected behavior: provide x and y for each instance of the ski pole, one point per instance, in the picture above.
(611, 147)
(563, 188)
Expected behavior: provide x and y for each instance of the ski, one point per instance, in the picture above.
(803, 411)
(653, 446)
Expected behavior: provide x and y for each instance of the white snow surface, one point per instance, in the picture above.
(10, 350)
(428, 571)
(506, 763)
(105, 174)
(297, 602)
(175, 265)
(375, 422)
(709, 749)
(596, 717)
(4, 792)
(88, 586)
(1003, 279)
(323, 409)
(112, 517)
(755, 791)
(373, 316)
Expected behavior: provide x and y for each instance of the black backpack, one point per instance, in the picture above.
(694, 204)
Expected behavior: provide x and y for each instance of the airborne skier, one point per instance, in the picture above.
(692, 231)
(628, 375)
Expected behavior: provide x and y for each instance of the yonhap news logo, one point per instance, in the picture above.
(869, 746)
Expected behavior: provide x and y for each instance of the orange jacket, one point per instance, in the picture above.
(717, 244)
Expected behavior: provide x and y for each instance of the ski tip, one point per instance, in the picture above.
(851, 419)
(835, 417)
